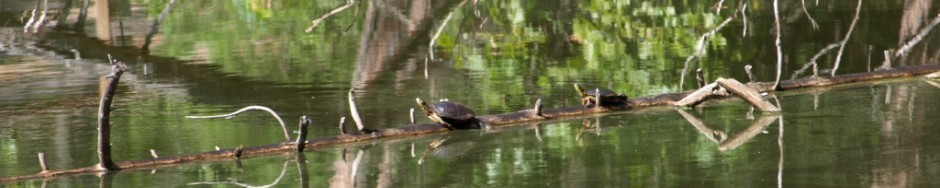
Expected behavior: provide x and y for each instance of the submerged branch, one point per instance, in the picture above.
(239, 111)
(316, 22)
(858, 9)
(440, 29)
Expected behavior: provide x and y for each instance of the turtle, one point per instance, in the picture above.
(607, 97)
(451, 114)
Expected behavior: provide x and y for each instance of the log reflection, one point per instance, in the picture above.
(236, 183)
(721, 138)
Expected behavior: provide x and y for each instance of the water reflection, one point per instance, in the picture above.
(237, 183)
(721, 138)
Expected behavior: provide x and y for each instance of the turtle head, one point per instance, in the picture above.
(579, 89)
(424, 106)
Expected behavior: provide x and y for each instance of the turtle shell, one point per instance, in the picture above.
(453, 111)
(603, 92)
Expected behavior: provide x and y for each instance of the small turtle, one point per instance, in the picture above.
(607, 97)
(452, 115)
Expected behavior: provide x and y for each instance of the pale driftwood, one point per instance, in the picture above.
(748, 94)
(316, 22)
(698, 95)
(239, 111)
(505, 119)
(743, 136)
(858, 9)
(153, 153)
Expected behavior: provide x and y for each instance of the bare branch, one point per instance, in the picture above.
(234, 182)
(812, 61)
(239, 111)
(440, 29)
(700, 47)
(777, 43)
(917, 38)
(858, 9)
(811, 20)
(316, 22)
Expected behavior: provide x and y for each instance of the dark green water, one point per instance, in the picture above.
(213, 57)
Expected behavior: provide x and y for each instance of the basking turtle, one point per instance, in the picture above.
(589, 98)
(452, 115)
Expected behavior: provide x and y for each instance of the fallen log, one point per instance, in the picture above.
(506, 119)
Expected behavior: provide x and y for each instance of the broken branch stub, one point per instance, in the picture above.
(104, 117)
(748, 94)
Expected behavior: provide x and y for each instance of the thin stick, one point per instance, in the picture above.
(744, 16)
(42, 17)
(858, 9)
(104, 116)
(78, 55)
(718, 8)
(153, 153)
(812, 61)
(82, 14)
(262, 108)
(317, 21)
(699, 77)
(42, 163)
(811, 20)
(917, 38)
(342, 125)
(700, 47)
(354, 112)
(411, 115)
(777, 43)
(537, 110)
(750, 75)
(440, 29)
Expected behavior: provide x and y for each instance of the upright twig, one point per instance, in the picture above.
(342, 125)
(699, 78)
(42, 17)
(104, 116)
(411, 116)
(317, 21)
(858, 9)
(777, 43)
(750, 75)
(42, 163)
(355, 112)
(239, 111)
(537, 110)
(302, 135)
(153, 153)
(440, 29)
